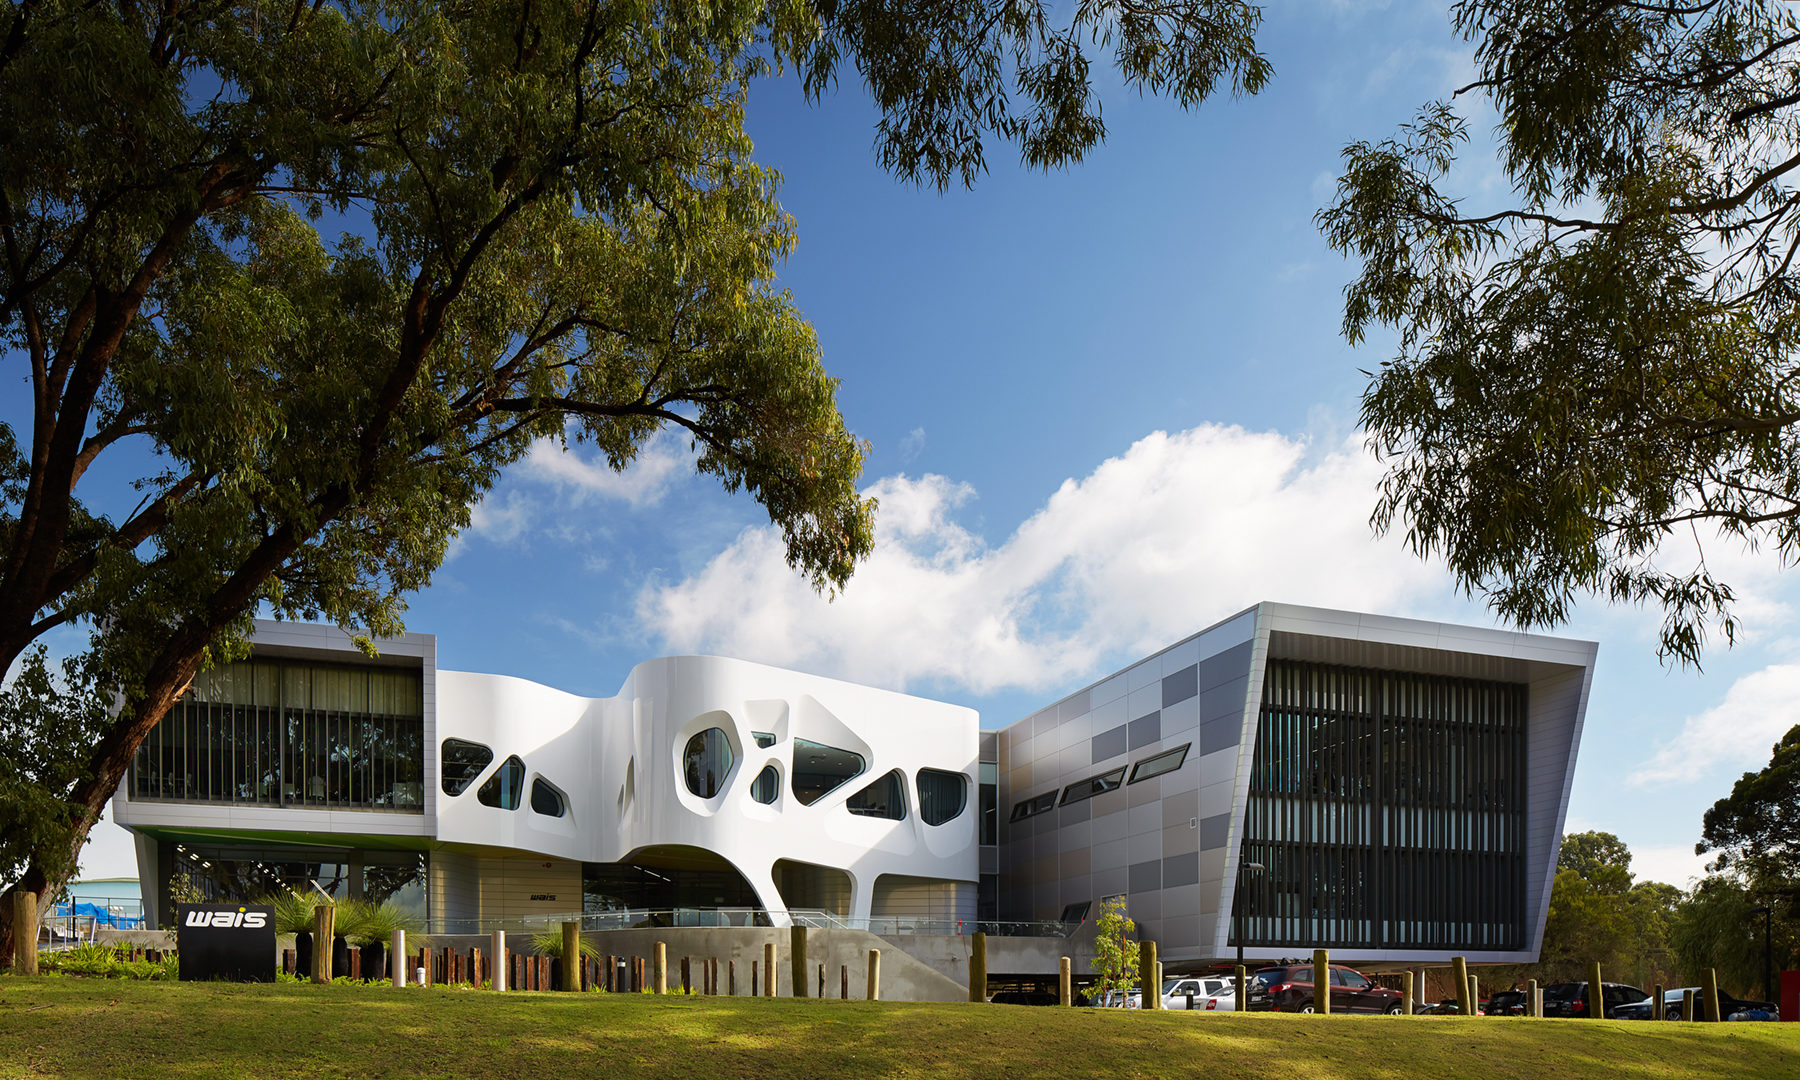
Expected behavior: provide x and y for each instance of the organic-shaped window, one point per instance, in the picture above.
(767, 785)
(885, 798)
(1094, 785)
(821, 769)
(706, 761)
(547, 800)
(763, 738)
(942, 795)
(505, 786)
(462, 761)
(1167, 761)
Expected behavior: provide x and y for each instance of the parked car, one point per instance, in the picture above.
(1176, 991)
(1571, 998)
(1506, 1003)
(1223, 1001)
(1451, 1007)
(1290, 988)
(1675, 1006)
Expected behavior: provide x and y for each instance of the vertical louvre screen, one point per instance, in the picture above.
(1387, 810)
(273, 733)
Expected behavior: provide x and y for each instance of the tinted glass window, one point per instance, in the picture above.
(1033, 806)
(1167, 761)
(942, 795)
(763, 738)
(461, 763)
(767, 785)
(821, 769)
(885, 798)
(546, 800)
(1094, 785)
(706, 761)
(505, 786)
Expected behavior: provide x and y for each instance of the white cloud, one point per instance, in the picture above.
(1674, 864)
(659, 464)
(912, 445)
(1736, 733)
(1178, 530)
(524, 505)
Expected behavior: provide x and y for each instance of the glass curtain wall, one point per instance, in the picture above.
(282, 733)
(1387, 811)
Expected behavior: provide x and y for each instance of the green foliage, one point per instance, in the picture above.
(1598, 913)
(365, 923)
(550, 943)
(1591, 378)
(47, 720)
(1757, 826)
(293, 911)
(108, 962)
(1115, 952)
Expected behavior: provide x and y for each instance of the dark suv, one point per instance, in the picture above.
(1674, 1002)
(1290, 988)
(1571, 998)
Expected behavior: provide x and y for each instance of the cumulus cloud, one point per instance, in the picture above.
(1736, 733)
(1177, 531)
(551, 477)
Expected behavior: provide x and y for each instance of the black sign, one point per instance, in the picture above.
(233, 942)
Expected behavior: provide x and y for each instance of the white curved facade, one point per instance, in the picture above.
(620, 762)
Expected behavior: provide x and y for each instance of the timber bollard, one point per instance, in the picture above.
(1531, 993)
(498, 978)
(1241, 990)
(1322, 980)
(1065, 983)
(1475, 993)
(687, 986)
(571, 971)
(731, 977)
(755, 983)
(768, 969)
(1713, 1015)
(1459, 977)
(1149, 997)
(1406, 993)
(843, 982)
(978, 967)
(660, 974)
(397, 950)
(874, 991)
(323, 917)
(1596, 993)
(1656, 1003)
(1687, 1006)
(25, 924)
(821, 982)
(797, 959)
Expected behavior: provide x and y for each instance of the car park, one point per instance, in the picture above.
(1571, 998)
(1290, 988)
(1179, 991)
(1506, 1003)
(1675, 1007)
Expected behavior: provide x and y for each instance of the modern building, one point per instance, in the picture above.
(1288, 778)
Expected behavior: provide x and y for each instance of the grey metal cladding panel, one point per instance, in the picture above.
(1110, 882)
(1178, 808)
(1108, 744)
(1072, 706)
(1214, 832)
(1074, 813)
(1225, 700)
(1181, 870)
(990, 746)
(1146, 730)
(1233, 663)
(1221, 734)
(1181, 685)
(1145, 877)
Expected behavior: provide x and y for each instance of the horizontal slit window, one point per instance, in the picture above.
(1165, 762)
(1034, 806)
(1107, 781)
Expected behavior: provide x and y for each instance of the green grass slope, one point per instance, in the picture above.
(80, 1028)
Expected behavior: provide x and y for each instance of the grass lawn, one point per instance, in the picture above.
(73, 1027)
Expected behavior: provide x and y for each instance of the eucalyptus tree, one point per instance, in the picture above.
(1595, 374)
(557, 229)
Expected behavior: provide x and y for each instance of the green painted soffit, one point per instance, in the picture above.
(333, 840)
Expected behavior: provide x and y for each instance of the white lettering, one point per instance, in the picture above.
(223, 918)
(255, 920)
(199, 918)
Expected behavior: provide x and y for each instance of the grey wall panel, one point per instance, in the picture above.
(1145, 877)
(1181, 870)
(1214, 831)
(1180, 686)
(1108, 744)
(1146, 730)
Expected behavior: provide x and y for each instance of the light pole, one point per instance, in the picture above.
(1768, 955)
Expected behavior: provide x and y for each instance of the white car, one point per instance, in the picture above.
(1175, 991)
(1223, 1001)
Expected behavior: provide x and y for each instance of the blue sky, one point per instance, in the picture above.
(1106, 406)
